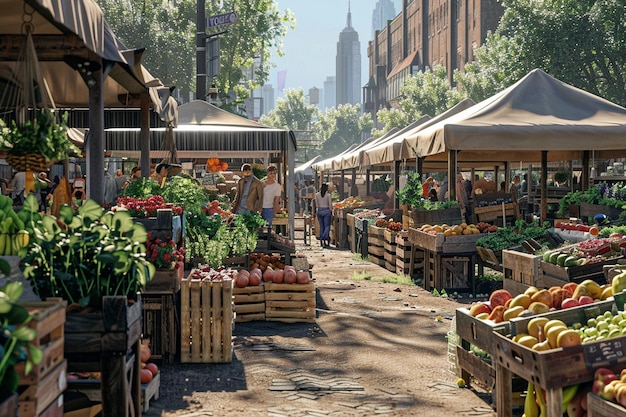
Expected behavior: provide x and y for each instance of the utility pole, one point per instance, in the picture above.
(201, 81)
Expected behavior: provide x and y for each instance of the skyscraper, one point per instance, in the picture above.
(384, 10)
(330, 92)
(348, 65)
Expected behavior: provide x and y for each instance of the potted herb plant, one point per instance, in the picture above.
(36, 144)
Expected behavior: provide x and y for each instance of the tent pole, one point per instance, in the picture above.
(544, 186)
(144, 134)
(396, 184)
(95, 144)
(584, 175)
(452, 161)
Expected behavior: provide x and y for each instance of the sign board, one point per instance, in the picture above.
(221, 19)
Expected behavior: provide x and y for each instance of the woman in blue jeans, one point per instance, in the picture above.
(323, 204)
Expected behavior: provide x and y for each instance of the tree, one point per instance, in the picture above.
(579, 43)
(424, 93)
(341, 127)
(167, 29)
(291, 112)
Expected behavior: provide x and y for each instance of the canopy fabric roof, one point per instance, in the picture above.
(306, 166)
(538, 113)
(67, 33)
(199, 112)
(328, 164)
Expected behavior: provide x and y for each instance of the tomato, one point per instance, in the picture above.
(145, 375)
(153, 368)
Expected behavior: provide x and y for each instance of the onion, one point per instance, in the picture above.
(290, 276)
(241, 281)
(279, 276)
(268, 275)
(302, 277)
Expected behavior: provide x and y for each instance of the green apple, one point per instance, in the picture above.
(602, 325)
(614, 333)
(608, 315)
(592, 322)
(622, 324)
(591, 332)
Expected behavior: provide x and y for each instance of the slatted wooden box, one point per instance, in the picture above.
(160, 325)
(206, 321)
(48, 319)
(376, 244)
(290, 303)
(521, 267)
(249, 303)
(36, 398)
(578, 273)
(599, 407)
(390, 250)
(442, 244)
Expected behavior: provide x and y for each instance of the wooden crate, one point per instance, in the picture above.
(35, 398)
(375, 231)
(290, 302)
(444, 244)
(165, 280)
(206, 321)
(478, 332)
(578, 274)
(451, 272)
(521, 267)
(160, 325)
(93, 390)
(48, 319)
(450, 215)
(599, 407)
(555, 368)
(492, 213)
(249, 303)
(164, 226)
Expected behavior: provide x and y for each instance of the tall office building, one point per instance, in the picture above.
(384, 10)
(267, 93)
(330, 93)
(348, 65)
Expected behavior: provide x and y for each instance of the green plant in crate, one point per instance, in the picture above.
(412, 192)
(15, 337)
(84, 255)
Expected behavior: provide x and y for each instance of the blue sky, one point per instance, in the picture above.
(311, 49)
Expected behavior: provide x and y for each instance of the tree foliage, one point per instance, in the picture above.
(424, 93)
(291, 112)
(582, 43)
(340, 128)
(167, 29)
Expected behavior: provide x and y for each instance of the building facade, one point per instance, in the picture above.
(348, 65)
(330, 93)
(383, 11)
(425, 33)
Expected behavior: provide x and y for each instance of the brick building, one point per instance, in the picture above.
(425, 33)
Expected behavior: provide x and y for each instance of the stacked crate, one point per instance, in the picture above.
(376, 244)
(160, 324)
(42, 389)
(404, 251)
(249, 303)
(206, 321)
(390, 250)
(290, 303)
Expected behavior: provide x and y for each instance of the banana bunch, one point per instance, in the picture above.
(535, 403)
(13, 237)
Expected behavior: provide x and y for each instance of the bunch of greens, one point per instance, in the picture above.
(142, 188)
(508, 237)
(412, 192)
(251, 220)
(185, 192)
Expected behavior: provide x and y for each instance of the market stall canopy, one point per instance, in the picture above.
(329, 164)
(538, 113)
(305, 168)
(352, 159)
(71, 36)
(206, 131)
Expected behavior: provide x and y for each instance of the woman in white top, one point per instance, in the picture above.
(271, 196)
(323, 204)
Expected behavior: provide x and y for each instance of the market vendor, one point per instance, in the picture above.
(271, 196)
(249, 192)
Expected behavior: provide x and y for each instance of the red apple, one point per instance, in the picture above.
(615, 235)
(570, 302)
(584, 300)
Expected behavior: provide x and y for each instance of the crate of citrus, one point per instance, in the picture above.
(446, 239)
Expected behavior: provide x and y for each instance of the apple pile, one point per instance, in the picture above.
(453, 230)
(610, 386)
(207, 273)
(503, 306)
(545, 334)
(604, 326)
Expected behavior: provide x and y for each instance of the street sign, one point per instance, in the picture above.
(221, 19)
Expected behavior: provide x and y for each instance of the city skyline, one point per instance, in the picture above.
(306, 64)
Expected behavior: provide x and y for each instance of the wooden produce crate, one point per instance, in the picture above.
(160, 325)
(164, 226)
(479, 332)
(249, 303)
(165, 280)
(489, 258)
(350, 231)
(48, 319)
(555, 368)
(390, 250)
(290, 302)
(404, 250)
(450, 215)
(376, 244)
(521, 270)
(407, 221)
(451, 272)
(444, 244)
(36, 398)
(492, 213)
(206, 321)
(578, 274)
(599, 407)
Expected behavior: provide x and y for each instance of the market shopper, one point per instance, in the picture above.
(271, 196)
(249, 192)
(323, 203)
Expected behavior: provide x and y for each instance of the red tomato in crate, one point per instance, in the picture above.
(145, 375)
(153, 368)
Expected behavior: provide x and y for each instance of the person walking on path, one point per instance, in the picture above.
(271, 196)
(323, 203)
(249, 193)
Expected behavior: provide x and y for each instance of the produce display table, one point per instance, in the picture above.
(448, 260)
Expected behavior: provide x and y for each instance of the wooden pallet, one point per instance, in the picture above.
(35, 398)
(290, 302)
(48, 319)
(206, 321)
(160, 325)
(249, 303)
